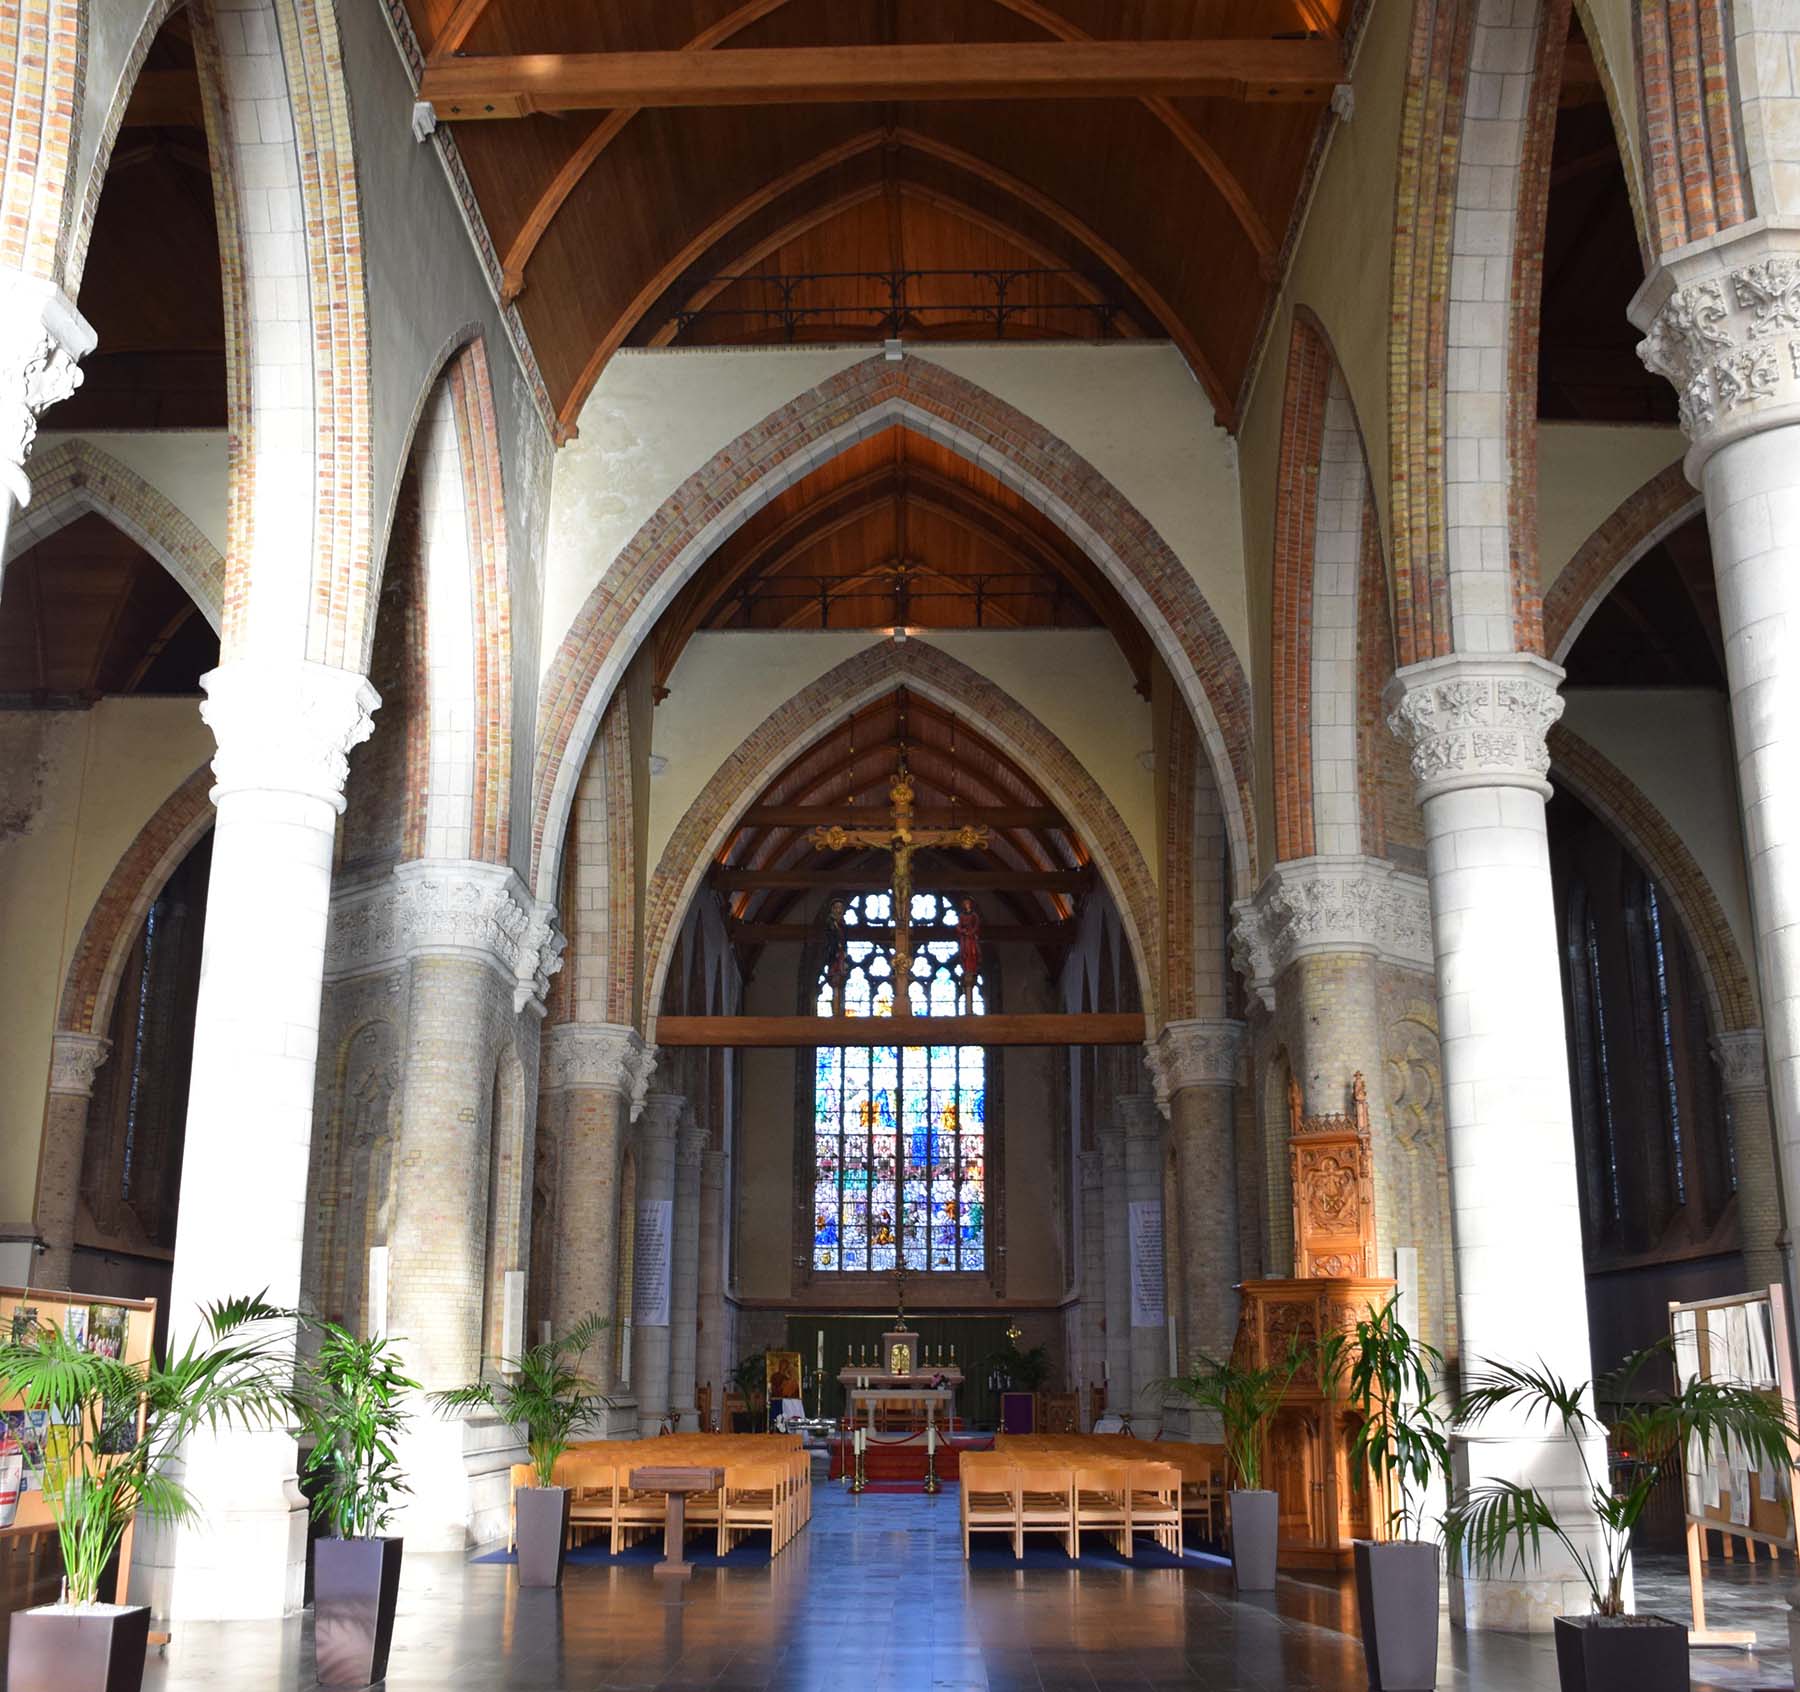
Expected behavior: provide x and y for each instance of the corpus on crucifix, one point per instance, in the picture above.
(901, 839)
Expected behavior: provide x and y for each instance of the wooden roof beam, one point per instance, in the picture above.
(1020, 933)
(456, 30)
(516, 85)
(1092, 1028)
(927, 816)
(931, 879)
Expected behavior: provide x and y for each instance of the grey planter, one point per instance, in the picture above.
(57, 1649)
(542, 1532)
(1605, 1653)
(1255, 1532)
(1397, 1605)
(356, 1589)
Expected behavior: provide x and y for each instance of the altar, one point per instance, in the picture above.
(900, 1375)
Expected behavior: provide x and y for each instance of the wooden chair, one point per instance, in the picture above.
(595, 1488)
(703, 1406)
(989, 1496)
(749, 1501)
(1156, 1503)
(1062, 1413)
(636, 1515)
(520, 1474)
(1047, 1505)
(1103, 1505)
(1096, 1404)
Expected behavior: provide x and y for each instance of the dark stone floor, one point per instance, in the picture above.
(874, 1597)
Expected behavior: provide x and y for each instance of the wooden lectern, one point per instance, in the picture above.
(1307, 1451)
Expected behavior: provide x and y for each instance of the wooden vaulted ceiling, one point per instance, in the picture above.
(1027, 880)
(898, 531)
(1160, 192)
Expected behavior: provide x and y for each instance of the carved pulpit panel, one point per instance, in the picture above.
(1333, 1180)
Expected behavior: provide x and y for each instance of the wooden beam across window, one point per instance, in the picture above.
(926, 816)
(924, 880)
(514, 85)
(1024, 933)
(1094, 1028)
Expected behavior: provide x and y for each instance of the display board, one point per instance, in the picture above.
(1742, 1339)
(120, 1327)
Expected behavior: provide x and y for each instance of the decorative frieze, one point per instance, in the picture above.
(1739, 1055)
(1330, 904)
(1476, 721)
(286, 727)
(603, 1056)
(1194, 1054)
(1722, 323)
(74, 1061)
(42, 339)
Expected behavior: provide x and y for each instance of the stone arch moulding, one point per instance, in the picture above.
(820, 707)
(139, 876)
(1615, 798)
(75, 478)
(812, 429)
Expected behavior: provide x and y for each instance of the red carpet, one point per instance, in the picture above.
(903, 1460)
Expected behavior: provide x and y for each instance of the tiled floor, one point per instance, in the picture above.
(875, 1596)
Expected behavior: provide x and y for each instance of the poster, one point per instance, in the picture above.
(650, 1264)
(106, 1330)
(1146, 1263)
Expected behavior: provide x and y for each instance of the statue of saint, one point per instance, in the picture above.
(837, 955)
(968, 942)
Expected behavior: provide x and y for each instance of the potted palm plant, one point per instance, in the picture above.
(1385, 1374)
(349, 1399)
(1503, 1522)
(101, 1471)
(543, 1388)
(1244, 1398)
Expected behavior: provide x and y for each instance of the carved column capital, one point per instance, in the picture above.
(602, 1056)
(1093, 1168)
(1721, 320)
(42, 339)
(1138, 1115)
(74, 1061)
(691, 1140)
(1739, 1055)
(661, 1117)
(286, 726)
(1476, 721)
(712, 1170)
(1198, 1053)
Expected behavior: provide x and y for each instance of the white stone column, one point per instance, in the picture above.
(284, 729)
(684, 1280)
(1476, 728)
(1093, 1276)
(74, 1061)
(653, 1268)
(602, 1069)
(712, 1365)
(1145, 1280)
(1723, 325)
(1196, 1069)
(1744, 1079)
(42, 339)
(1117, 1277)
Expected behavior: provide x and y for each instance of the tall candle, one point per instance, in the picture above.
(930, 1438)
(821, 1363)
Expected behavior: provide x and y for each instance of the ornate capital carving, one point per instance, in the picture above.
(604, 1056)
(1093, 1168)
(286, 726)
(1138, 1114)
(662, 1115)
(1722, 322)
(42, 339)
(1739, 1056)
(1477, 721)
(74, 1061)
(1330, 904)
(437, 907)
(1193, 1054)
(691, 1141)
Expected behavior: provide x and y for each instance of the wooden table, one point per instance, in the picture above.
(675, 1484)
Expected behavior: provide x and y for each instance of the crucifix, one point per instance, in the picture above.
(901, 839)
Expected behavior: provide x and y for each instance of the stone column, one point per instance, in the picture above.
(1476, 727)
(1723, 323)
(1744, 1077)
(1144, 1279)
(652, 1272)
(74, 1061)
(1117, 1277)
(1196, 1066)
(712, 1366)
(42, 339)
(601, 1070)
(684, 1278)
(284, 729)
(1093, 1276)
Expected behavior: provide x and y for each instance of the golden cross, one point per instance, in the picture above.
(902, 839)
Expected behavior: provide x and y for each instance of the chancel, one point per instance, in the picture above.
(831, 787)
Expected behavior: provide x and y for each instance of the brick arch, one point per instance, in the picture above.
(1642, 519)
(1695, 182)
(1611, 794)
(811, 429)
(75, 478)
(43, 44)
(125, 901)
(818, 708)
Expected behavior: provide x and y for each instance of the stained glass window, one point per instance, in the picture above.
(899, 1131)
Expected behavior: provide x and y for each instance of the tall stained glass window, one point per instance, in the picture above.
(899, 1131)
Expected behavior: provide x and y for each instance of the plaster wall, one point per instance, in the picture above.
(186, 466)
(80, 785)
(1586, 471)
(1075, 681)
(1675, 744)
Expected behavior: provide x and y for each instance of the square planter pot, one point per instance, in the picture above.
(1397, 1605)
(62, 1649)
(542, 1532)
(356, 1586)
(1255, 1530)
(1603, 1653)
